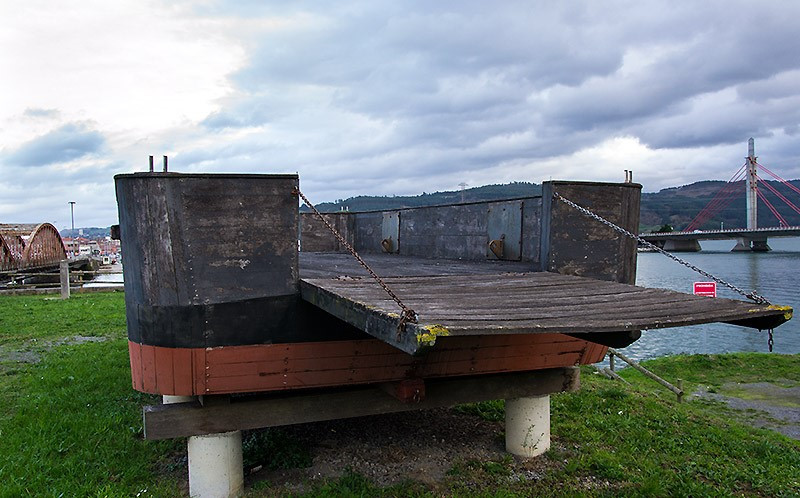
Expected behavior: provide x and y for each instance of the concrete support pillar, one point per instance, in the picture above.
(528, 425)
(682, 245)
(745, 244)
(752, 186)
(215, 461)
(215, 465)
(742, 244)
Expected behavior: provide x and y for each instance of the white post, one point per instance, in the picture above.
(64, 271)
(215, 465)
(215, 461)
(528, 425)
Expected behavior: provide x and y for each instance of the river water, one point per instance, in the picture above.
(775, 275)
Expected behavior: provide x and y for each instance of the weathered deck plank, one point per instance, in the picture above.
(472, 300)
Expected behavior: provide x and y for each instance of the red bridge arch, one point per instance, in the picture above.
(29, 246)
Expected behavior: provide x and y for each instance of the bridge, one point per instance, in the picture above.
(750, 238)
(30, 246)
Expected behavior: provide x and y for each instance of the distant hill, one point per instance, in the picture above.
(677, 206)
(89, 233)
(377, 203)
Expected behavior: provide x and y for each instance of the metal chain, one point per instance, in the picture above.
(751, 295)
(770, 341)
(408, 315)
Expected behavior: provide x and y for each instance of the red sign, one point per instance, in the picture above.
(705, 289)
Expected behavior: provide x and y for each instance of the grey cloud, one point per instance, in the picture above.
(378, 90)
(66, 143)
(41, 113)
(780, 86)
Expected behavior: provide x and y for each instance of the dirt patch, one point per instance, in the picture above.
(762, 404)
(31, 352)
(77, 339)
(394, 448)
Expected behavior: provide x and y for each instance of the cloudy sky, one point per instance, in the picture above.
(388, 97)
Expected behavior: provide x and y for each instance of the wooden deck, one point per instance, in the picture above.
(497, 298)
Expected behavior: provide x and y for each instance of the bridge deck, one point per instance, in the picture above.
(496, 298)
(730, 233)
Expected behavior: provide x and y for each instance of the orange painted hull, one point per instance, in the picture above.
(277, 367)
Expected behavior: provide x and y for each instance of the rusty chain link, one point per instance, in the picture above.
(408, 315)
(757, 298)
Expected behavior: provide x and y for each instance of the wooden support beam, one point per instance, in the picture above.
(406, 390)
(192, 419)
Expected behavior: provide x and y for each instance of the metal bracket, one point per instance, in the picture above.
(497, 246)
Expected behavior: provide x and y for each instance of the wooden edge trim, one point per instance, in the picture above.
(191, 419)
(172, 371)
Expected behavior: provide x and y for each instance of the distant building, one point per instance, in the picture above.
(82, 247)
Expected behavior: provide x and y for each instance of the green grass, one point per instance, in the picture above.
(640, 440)
(25, 318)
(712, 371)
(70, 425)
(615, 440)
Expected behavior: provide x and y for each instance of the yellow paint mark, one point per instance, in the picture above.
(428, 338)
(787, 310)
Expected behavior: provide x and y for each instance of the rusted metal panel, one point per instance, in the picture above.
(316, 237)
(531, 230)
(450, 232)
(574, 244)
(367, 232)
(504, 224)
(390, 232)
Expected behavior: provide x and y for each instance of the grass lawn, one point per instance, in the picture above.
(70, 425)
